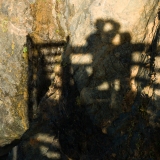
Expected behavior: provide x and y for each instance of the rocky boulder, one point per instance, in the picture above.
(15, 24)
(88, 73)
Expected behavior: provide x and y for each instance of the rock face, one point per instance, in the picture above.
(15, 24)
(28, 29)
(89, 79)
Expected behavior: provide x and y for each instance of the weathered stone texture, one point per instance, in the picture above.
(41, 67)
(112, 57)
(47, 26)
(15, 24)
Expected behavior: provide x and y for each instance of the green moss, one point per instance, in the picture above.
(25, 49)
(25, 54)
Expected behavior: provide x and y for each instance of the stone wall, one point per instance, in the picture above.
(111, 57)
(15, 24)
(31, 36)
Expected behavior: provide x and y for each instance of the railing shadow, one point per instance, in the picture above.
(84, 103)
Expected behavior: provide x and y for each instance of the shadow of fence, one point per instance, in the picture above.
(108, 119)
